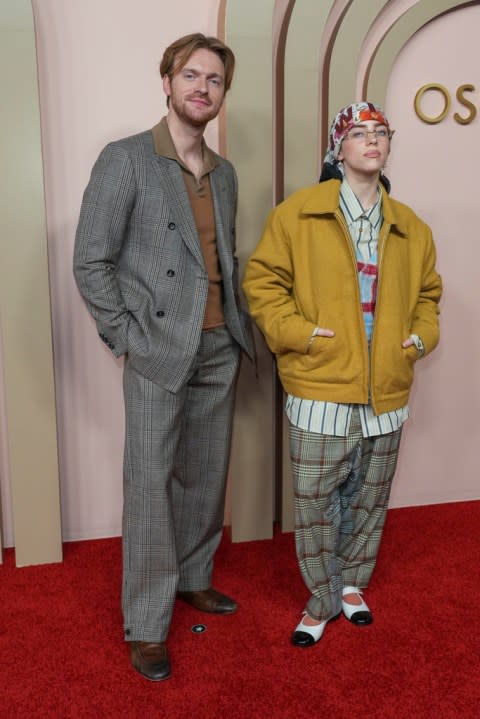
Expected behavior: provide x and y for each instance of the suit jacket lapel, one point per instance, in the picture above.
(221, 205)
(171, 178)
(173, 184)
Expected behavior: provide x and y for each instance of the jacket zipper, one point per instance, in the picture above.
(381, 253)
(341, 219)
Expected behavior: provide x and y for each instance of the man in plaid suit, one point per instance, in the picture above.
(155, 262)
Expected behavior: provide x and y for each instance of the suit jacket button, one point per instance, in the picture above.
(160, 313)
(171, 225)
(170, 273)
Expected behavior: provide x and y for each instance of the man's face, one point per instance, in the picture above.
(365, 148)
(197, 90)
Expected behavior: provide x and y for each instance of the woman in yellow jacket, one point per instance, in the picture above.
(344, 288)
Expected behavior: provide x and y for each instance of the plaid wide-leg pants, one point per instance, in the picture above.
(177, 449)
(341, 491)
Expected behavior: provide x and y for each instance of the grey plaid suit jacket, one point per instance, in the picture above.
(138, 261)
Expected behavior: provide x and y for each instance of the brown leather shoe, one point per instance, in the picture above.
(209, 600)
(150, 659)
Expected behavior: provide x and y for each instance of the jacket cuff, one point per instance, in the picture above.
(418, 344)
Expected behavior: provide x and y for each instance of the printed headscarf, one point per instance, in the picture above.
(348, 117)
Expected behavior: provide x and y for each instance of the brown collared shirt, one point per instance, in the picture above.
(200, 195)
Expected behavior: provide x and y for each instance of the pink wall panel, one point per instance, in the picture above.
(434, 169)
(99, 80)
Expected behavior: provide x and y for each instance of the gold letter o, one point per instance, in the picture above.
(446, 96)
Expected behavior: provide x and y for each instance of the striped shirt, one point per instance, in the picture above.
(364, 227)
(331, 418)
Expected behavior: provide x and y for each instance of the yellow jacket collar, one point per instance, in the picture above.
(324, 199)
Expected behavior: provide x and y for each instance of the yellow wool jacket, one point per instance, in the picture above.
(303, 274)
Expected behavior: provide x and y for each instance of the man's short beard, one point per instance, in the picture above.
(191, 119)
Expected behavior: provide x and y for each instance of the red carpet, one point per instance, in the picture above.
(62, 653)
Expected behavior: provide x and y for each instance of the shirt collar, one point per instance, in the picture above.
(352, 207)
(165, 147)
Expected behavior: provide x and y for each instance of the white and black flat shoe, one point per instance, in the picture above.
(306, 635)
(358, 614)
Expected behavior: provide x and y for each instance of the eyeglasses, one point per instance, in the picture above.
(361, 135)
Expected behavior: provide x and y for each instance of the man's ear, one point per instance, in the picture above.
(167, 88)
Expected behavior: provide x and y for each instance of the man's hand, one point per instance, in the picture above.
(407, 343)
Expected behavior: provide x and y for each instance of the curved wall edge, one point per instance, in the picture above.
(404, 28)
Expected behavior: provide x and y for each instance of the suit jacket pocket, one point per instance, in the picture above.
(138, 330)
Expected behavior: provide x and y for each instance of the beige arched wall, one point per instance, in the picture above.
(29, 465)
(301, 88)
(366, 35)
(346, 49)
(249, 147)
(395, 30)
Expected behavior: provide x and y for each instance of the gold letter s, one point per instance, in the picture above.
(462, 100)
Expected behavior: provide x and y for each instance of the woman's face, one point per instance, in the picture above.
(365, 149)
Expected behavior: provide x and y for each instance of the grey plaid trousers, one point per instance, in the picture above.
(177, 448)
(341, 492)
